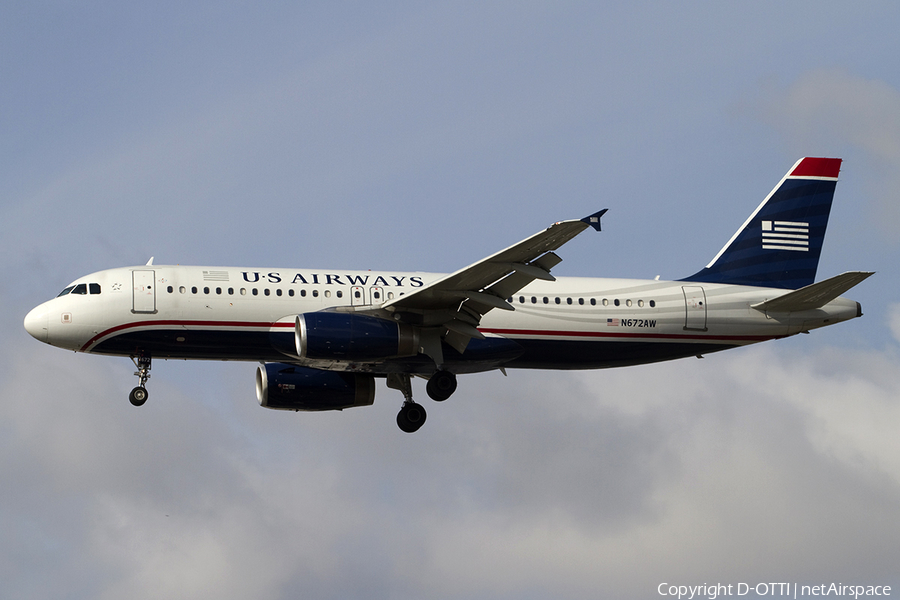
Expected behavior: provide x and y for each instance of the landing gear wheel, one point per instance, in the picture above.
(441, 385)
(138, 395)
(411, 417)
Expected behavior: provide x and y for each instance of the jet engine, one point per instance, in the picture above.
(289, 387)
(346, 336)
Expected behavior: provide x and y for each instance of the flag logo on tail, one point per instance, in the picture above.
(785, 235)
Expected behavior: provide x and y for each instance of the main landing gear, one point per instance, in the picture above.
(412, 415)
(139, 394)
(441, 385)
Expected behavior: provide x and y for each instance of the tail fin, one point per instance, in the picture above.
(779, 245)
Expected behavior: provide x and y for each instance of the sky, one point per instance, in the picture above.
(425, 136)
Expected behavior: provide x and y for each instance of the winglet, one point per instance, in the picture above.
(594, 219)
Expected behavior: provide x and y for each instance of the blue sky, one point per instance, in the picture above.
(414, 136)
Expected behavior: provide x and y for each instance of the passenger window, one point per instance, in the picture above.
(315, 293)
(594, 302)
(278, 292)
(94, 288)
(357, 294)
(521, 299)
(328, 293)
(581, 301)
(219, 291)
(266, 291)
(652, 303)
(534, 299)
(66, 291)
(231, 291)
(303, 293)
(255, 292)
(546, 300)
(170, 289)
(81, 288)
(243, 291)
(340, 294)
(206, 290)
(291, 293)
(557, 299)
(181, 289)
(568, 301)
(194, 290)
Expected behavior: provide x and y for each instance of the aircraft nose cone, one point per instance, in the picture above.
(37, 323)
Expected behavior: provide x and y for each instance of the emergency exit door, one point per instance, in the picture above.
(694, 308)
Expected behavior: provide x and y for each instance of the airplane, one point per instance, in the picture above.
(322, 336)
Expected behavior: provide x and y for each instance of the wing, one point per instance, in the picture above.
(452, 307)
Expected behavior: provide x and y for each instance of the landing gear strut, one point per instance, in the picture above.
(139, 394)
(412, 415)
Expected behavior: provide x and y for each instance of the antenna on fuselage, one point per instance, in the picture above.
(150, 262)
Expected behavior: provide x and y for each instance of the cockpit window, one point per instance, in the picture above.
(81, 288)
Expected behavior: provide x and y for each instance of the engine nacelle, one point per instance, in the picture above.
(288, 387)
(347, 336)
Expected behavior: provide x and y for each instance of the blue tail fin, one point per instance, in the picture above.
(779, 245)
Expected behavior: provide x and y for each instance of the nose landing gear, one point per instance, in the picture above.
(139, 394)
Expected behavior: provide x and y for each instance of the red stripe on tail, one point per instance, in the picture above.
(818, 167)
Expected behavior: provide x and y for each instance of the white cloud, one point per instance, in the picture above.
(752, 464)
(831, 109)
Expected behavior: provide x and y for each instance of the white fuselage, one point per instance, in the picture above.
(230, 313)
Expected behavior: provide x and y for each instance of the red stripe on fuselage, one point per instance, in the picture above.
(504, 332)
(649, 336)
(180, 323)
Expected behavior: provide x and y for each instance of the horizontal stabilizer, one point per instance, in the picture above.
(815, 295)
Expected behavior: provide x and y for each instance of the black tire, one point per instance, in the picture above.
(411, 417)
(138, 395)
(441, 385)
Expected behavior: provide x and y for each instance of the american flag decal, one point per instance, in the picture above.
(612, 322)
(785, 235)
(215, 275)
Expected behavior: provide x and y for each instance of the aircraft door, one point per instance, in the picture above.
(357, 295)
(377, 295)
(694, 308)
(144, 291)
